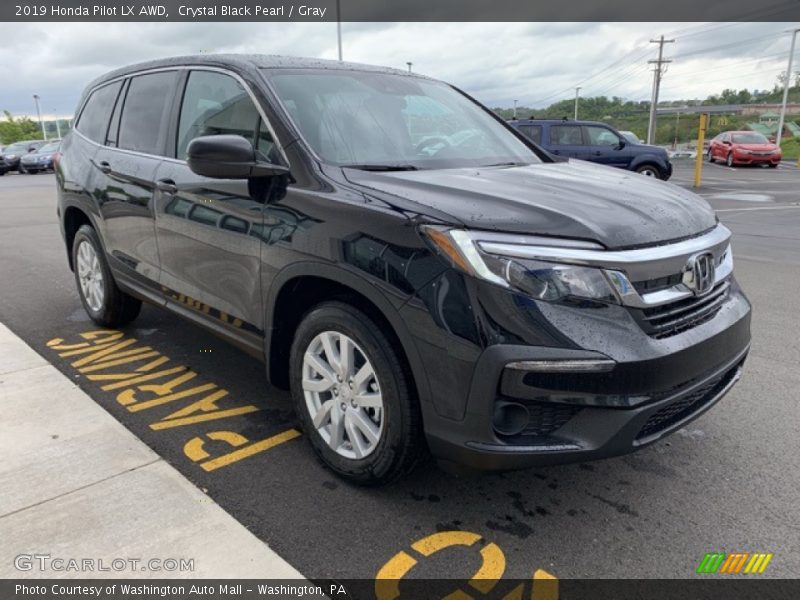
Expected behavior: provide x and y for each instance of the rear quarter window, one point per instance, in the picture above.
(93, 122)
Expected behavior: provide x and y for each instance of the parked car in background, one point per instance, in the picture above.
(419, 274)
(631, 137)
(10, 157)
(41, 159)
(744, 148)
(596, 142)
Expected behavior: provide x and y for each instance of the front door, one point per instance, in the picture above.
(209, 230)
(605, 147)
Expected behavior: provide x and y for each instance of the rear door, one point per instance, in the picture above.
(209, 229)
(134, 148)
(534, 132)
(566, 140)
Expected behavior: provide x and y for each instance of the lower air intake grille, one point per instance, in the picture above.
(685, 406)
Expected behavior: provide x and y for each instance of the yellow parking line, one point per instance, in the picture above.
(250, 450)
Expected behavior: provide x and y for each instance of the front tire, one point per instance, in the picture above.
(650, 171)
(354, 396)
(710, 156)
(729, 159)
(103, 301)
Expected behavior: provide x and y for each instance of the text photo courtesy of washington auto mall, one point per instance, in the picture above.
(400, 300)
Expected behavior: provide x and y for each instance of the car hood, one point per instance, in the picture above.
(573, 199)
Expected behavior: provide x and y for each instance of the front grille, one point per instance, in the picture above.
(686, 406)
(676, 317)
(661, 283)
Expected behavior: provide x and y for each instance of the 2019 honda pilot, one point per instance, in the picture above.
(419, 274)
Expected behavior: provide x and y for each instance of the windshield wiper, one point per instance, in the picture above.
(506, 164)
(382, 167)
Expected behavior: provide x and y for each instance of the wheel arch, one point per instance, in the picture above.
(301, 286)
(74, 218)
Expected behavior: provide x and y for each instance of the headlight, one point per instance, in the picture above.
(550, 281)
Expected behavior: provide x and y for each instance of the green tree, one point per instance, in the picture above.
(16, 129)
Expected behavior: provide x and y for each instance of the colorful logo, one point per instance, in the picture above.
(738, 562)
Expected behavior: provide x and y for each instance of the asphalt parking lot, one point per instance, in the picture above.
(728, 482)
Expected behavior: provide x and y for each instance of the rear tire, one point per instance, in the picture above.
(372, 452)
(773, 165)
(104, 302)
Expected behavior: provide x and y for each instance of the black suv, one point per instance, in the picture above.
(598, 143)
(416, 271)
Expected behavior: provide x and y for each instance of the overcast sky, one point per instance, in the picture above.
(535, 63)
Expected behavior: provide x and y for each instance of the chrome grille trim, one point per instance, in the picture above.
(639, 264)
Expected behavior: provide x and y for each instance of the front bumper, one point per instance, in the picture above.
(655, 387)
(748, 159)
(9, 165)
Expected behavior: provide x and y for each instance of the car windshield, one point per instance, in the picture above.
(382, 121)
(51, 147)
(749, 138)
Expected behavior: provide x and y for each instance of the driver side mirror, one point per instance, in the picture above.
(621, 144)
(228, 157)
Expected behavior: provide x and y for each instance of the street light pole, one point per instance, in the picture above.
(58, 125)
(409, 66)
(39, 115)
(786, 89)
(577, 95)
(515, 109)
(339, 27)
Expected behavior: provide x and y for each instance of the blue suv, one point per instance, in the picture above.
(595, 142)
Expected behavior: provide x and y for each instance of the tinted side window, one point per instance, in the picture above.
(600, 136)
(532, 131)
(144, 116)
(93, 121)
(566, 135)
(215, 104)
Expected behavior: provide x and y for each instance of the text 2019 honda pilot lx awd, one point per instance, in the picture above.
(418, 273)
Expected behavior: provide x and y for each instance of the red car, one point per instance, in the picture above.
(743, 148)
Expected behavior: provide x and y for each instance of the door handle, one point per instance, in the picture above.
(104, 167)
(167, 186)
(556, 151)
(598, 153)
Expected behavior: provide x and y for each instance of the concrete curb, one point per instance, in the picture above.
(76, 484)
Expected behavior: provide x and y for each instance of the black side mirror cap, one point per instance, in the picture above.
(228, 157)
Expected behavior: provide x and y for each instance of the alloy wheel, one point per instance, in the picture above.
(90, 276)
(343, 395)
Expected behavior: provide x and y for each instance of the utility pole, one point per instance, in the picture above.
(786, 85)
(515, 109)
(339, 27)
(658, 72)
(577, 95)
(39, 115)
